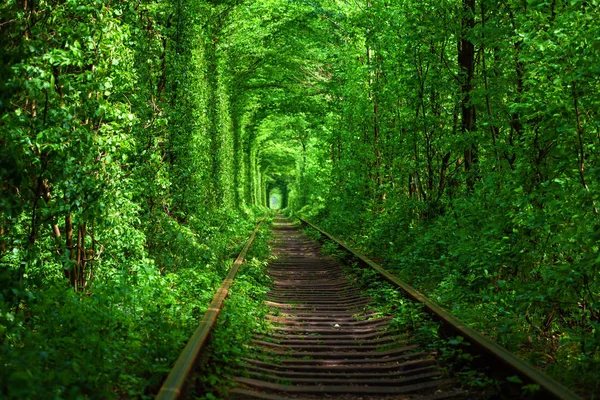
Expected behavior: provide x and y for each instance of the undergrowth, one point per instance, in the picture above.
(242, 316)
(540, 305)
(119, 338)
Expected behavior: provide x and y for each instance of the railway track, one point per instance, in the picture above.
(326, 341)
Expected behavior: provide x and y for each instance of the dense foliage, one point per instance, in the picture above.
(455, 139)
(461, 146)
(120, 212)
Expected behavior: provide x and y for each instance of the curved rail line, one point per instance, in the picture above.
(173, 386)
(549, 388)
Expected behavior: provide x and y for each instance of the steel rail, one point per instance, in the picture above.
(549, 388)
(172, 388)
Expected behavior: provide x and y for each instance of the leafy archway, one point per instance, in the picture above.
(275, 196)
(277, 193)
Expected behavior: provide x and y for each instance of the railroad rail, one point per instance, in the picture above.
(326, 341)
(549, 388)
(173, 386)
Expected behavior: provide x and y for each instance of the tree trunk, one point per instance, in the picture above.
(466, 61)
(69, 273)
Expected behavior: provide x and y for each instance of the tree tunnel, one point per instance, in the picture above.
(275, 197)
(277, 194)
(278, 156)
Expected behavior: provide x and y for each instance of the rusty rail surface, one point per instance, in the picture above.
(549, 388)
(173, 385)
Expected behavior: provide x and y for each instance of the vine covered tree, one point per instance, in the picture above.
(457, 140)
